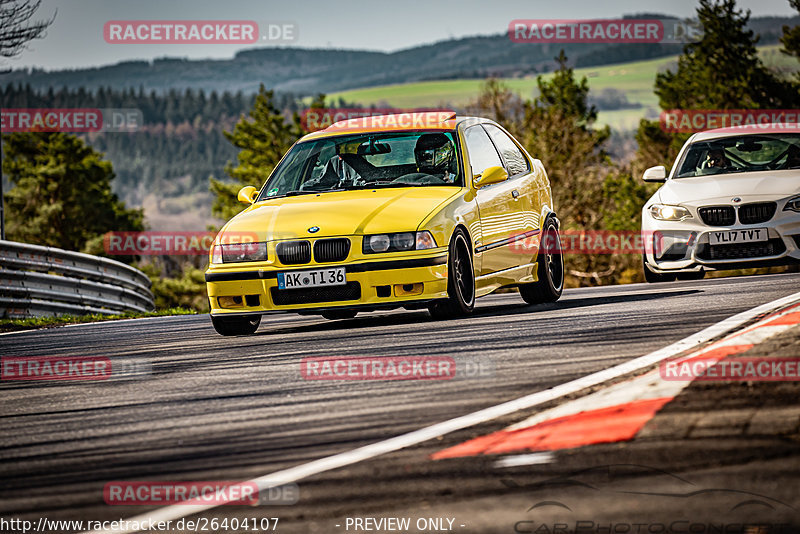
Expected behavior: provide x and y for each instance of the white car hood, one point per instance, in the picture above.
(721, 188)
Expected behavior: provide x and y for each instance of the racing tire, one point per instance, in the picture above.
(550, 269)
(655, 278)
(460, 280)
(236, 325)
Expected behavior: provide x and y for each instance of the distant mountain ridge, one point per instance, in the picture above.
(306, 71)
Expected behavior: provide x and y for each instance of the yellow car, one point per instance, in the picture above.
(423, 210)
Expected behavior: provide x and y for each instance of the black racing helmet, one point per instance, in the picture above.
(434, 153)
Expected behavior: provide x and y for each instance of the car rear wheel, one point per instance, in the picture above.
(654, 278)
(237, 325)
(333, 315)
(550, 261)
(460, 280)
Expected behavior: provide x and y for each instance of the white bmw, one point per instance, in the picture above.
(732, 200)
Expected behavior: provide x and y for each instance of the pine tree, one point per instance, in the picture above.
(721, 71)
(263, 137)
(561, 133)
(61, 193)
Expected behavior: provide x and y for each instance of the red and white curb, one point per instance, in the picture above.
(619, 412)
(373, 450)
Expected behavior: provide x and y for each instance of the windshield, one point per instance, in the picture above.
(746, 153)
(365, 161)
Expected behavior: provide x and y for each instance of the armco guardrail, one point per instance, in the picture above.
(36, 281)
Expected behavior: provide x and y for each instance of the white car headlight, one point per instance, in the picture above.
(663, 212)
(399, 242)
(793, 204)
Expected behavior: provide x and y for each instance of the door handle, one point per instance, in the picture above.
(515, 193)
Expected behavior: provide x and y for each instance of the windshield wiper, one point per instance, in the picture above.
(297, 192)
(388, 184)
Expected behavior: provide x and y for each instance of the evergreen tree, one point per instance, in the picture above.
(561, 133)
(263, 137)
(61, 193)
(791, 36)
(720, 71)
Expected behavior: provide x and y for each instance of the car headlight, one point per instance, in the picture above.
(238, 252)
(793, 204)
(663, 212)
(375, 244)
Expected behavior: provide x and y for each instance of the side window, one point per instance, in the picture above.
(482, 153)
(516, 162)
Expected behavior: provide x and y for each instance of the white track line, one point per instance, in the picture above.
(293, 474)
(650, 385)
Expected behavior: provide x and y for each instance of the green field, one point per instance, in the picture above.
(635, 79)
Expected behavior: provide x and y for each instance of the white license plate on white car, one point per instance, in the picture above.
(729, 237)
(334, 276)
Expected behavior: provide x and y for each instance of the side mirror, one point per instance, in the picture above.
(655, 174)
(492, 175)
(247, 194)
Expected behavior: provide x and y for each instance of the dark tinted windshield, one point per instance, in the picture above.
(746, 153)
(363, 161)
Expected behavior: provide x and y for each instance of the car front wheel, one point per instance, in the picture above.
(654, 278)
(460, 280)
(237, 325)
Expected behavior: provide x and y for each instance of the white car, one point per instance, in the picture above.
(731, 201)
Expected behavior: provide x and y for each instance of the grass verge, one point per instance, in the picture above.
(31, 323)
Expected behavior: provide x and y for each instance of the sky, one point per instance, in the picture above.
(75, 39)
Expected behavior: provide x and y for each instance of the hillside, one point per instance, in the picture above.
(310, 71)
(631, 85)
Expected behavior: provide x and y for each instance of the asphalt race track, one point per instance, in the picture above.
(213, 408)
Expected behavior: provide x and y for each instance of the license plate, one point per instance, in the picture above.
(727, 237)
(316, 278)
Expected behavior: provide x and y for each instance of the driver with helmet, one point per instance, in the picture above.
(435, 155)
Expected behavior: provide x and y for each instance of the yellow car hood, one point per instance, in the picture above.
(364, 211)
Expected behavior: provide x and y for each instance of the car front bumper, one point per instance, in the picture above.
(410, 280)
(684, 246)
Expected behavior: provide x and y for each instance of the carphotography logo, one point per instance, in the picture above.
(70, 120)
(628, 31)
(199, 32)
(314, 119)
(672, 504)
(697, 120)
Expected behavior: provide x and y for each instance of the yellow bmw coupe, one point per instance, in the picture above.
(422, 210)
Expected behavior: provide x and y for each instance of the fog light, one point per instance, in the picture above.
(405, 290)
(230, 302)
